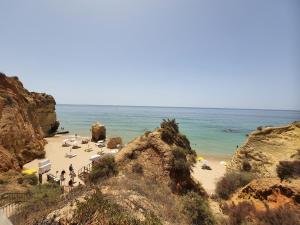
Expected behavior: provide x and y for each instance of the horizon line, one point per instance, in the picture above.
(191, 107)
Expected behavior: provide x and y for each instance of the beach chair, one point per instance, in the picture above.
(70, 155)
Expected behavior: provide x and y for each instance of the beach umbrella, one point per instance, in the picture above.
(223, 163)
(29, 171)
(199, 158)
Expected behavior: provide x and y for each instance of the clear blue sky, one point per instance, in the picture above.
(203, 53)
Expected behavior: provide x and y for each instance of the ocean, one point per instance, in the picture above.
(215, 132)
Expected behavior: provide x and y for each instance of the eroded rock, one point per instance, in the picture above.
(114, 142)
(25, 119)
(98, 132)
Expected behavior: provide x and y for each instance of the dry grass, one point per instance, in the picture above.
(149, 194)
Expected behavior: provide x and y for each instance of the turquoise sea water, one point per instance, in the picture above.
(211, 131)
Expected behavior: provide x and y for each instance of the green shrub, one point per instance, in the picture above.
(98, 209)
(197, 209)
(170, 125)
(20, 180)
(104, 168)
(28, 179)
(170, 134)
(239, 214)
(288, 169)
(180, 165)
(260, 128)
(31, 179)
(137, 168)
(246, 166)
(3, 181)
(231, 182)
(43, 196)
(182, 141)
(8, 99)
(167, 136)
(132, 155)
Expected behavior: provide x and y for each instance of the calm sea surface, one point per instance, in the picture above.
(211, 131)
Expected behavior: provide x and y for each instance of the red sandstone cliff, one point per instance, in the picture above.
(25, 119)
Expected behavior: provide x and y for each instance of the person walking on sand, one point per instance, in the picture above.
(62, 177)
(72, 176)
(71, 169)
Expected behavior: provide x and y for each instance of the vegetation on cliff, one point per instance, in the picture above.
(252, 191)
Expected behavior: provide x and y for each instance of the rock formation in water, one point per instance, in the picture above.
(98, 132)
(25, 119)
(265, 148)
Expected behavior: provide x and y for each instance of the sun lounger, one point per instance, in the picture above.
(70, 155)
(100, 145)
(95, 158)
(88, 150)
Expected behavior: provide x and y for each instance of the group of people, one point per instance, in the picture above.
(72, 175)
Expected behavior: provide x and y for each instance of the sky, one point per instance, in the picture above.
(191, 53)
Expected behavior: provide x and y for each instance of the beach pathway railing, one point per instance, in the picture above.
(85, 170)
(10, 202)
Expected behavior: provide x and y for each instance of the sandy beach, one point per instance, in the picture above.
(56, 154)
(209, 178)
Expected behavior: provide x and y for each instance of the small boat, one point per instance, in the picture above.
(63, 132)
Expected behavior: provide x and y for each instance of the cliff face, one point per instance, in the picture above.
(265, 148)
(271, 192)
(25, 118)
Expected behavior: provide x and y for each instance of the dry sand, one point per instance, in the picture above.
(209, 178)
(56, 154)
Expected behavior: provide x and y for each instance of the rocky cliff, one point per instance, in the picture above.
(271, 192)
(265, 148)
(25, 119)
(261, 154)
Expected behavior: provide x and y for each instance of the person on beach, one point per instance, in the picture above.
(71, 169)
(72, 176)
(62, 177)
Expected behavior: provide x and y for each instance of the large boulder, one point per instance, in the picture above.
(114, 142)
(98, 132)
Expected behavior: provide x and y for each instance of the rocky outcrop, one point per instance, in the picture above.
(98, 132)
(114, 142)
(167, 163)
(265, 148)
(270, 192)
(25, 119)
(7, 161)
(154, 174)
